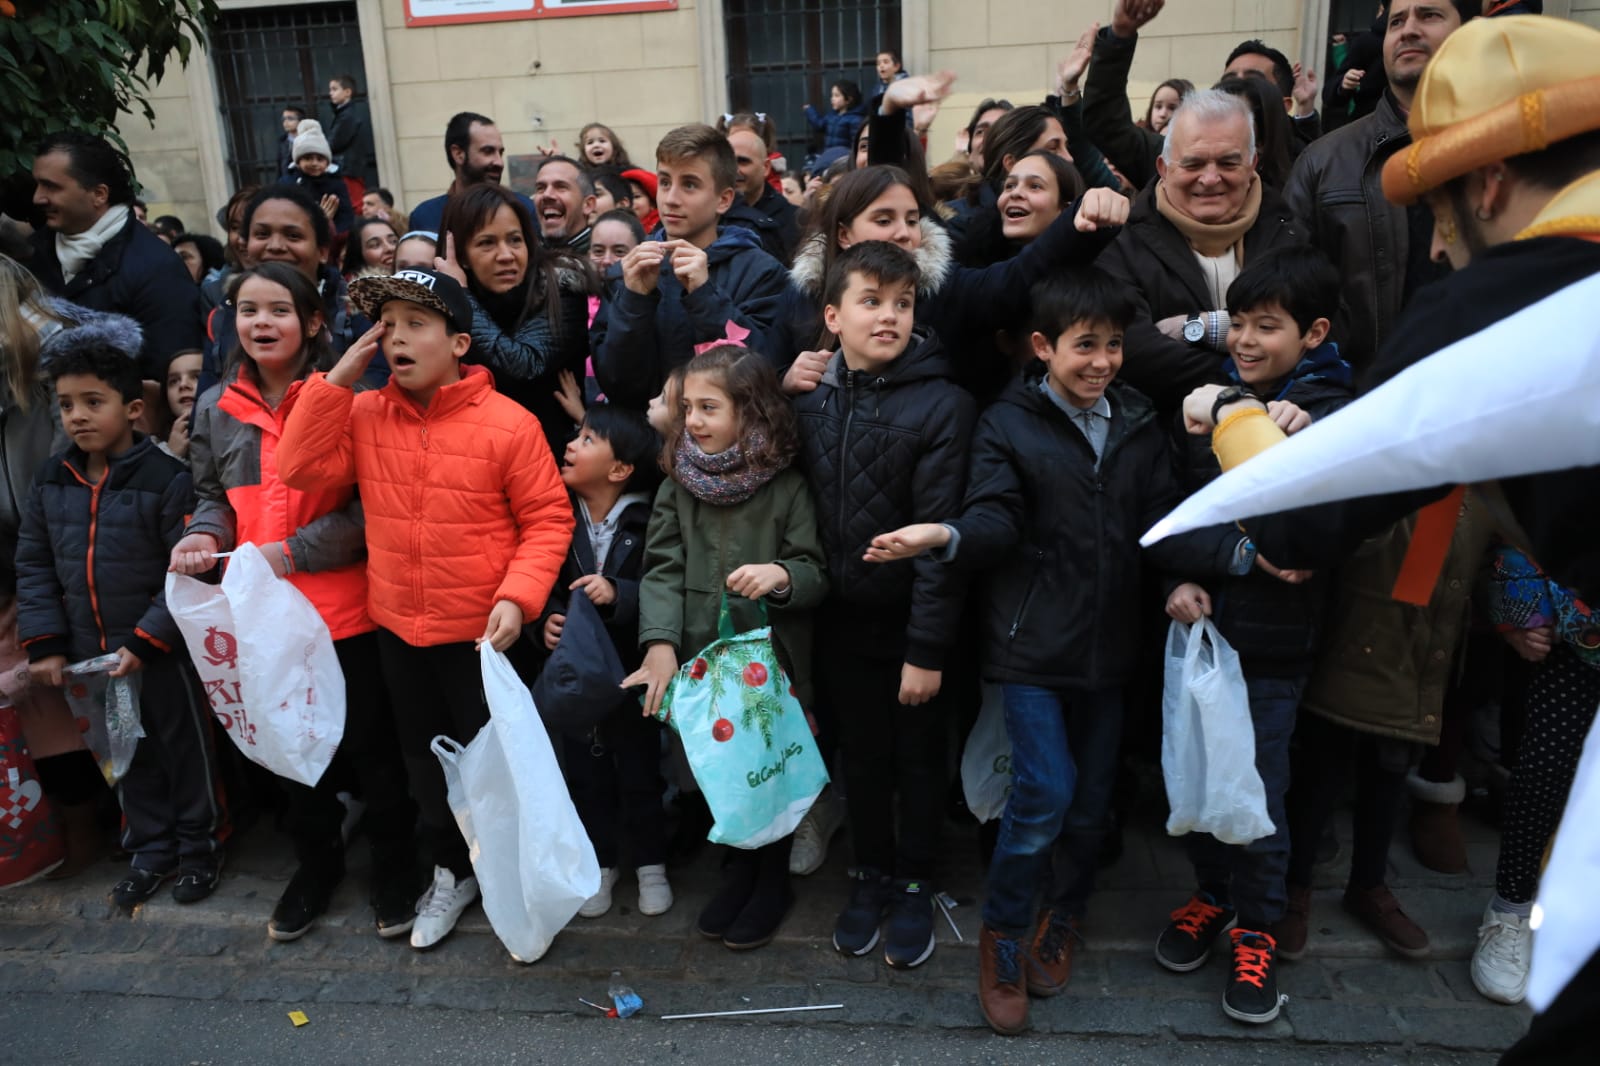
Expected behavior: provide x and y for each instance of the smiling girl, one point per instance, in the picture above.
(600, 148)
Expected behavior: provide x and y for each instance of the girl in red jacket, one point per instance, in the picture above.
(315, 541)
(467, 524)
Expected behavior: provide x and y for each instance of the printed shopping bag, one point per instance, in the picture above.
(745, 736)
(530, 853)
(986, 760)
(267, 663)
(106, 709)
(30, 836)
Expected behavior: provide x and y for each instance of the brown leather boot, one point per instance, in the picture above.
(1380, 912)
(1436, 824)
(1001, 994)
(80, 832)
(1294, 927)
(1049, 964)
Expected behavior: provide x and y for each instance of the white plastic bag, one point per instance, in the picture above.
(267, 662)
(530, 853)
(986, 760)
(1208, 742)
(109, 708)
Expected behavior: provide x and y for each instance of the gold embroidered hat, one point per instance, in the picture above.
(1497, 87)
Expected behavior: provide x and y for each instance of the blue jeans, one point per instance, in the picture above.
(1063, 764)
(1251, 877)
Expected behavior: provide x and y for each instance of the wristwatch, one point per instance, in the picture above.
(1231, 394)
(1194, 330)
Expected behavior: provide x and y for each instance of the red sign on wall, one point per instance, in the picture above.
(447, 12)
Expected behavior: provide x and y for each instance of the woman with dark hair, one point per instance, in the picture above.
(231, 219)
(1163, 102)
(370, 248)
(202, 254)
(529, 305)
(984, 116)
(1276, 143)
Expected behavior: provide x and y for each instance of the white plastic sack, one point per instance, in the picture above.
(1208, 742)
(107, 709)
(986, 760)
(530, 854)
(267, 663)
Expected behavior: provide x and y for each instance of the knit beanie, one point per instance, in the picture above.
(309, 140)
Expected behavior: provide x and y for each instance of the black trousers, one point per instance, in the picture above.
(615, 777)
(1325, 755)
(369, 757)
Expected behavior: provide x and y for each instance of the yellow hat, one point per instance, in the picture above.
(1497, 87)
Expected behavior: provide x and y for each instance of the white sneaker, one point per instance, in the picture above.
(655, 895)
(1500, 961)
(816, 830)
(598, 904)
(441, 906)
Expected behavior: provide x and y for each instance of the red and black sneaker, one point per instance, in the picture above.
(1185, 944)
(1252, 994)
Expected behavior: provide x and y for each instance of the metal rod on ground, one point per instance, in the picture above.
(949, 919)
(736, 1013)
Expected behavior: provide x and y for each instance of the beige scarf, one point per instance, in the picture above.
(1211, 239)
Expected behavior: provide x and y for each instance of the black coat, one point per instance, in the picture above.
(331, 184)
(350, 138)
(136, 274)
(772, 218)
(1059, 539)
(882, 451)
(624, 566)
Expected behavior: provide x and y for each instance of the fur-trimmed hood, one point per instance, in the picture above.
(84, 328)
(934, 256)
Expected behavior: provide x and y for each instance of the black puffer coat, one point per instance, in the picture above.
(1059, 539)
(882, 451)
(92, 558)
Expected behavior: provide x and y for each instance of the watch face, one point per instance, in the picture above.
(1194, 332)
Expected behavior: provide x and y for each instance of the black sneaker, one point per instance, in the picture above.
(856, 930)
(908, 933)
(198, 880)
(139, 886)
(1252, 994)
(305, 899)
(1185, 944)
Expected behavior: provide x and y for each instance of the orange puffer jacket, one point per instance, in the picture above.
(234, 439)
(464, 504)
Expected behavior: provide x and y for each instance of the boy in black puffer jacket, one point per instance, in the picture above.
(92, 558)
(884, 442)
(1068, 469)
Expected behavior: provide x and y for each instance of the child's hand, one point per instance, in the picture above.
(353, 363)
(552, 630)
(1197, 410)
(446, 263)
(1292, 577)
(1189, 603)
(1101, 209)
(1534, 645)
(505, 626)
(194, 554)
(330, 206)
(641, 267)
(806, 372)
(1290, 418)
(599, 589)
(178, 439)
(570, 396)
(755, 580)
(918, 686)
(47, 671)
(907, 93)
(276, 557)
(660, 663)
(129, 663)
(907, 542)
(690, 264)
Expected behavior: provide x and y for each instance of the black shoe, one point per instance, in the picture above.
(738, 885)
(394, 904)
(139, 886)
(1252, 994)
(198, 880)
(305, 899)
(1185, 944)
(855, 932)
(908, 934)
(758, 923)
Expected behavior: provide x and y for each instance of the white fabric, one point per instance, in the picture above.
(1568, 932)
(1453, 418)
(1219, 272)
(74, 252)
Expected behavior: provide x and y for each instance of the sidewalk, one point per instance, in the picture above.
(1347, 991)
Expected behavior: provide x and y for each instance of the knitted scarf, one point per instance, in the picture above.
(723, 479)
(1211, 239)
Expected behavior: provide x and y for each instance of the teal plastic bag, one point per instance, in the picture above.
(746, 737)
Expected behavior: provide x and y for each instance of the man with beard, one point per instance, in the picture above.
(563, 198)
(475, 152)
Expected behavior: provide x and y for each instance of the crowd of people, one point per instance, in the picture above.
(915, 412)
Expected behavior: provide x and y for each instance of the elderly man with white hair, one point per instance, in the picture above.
(1187, 237)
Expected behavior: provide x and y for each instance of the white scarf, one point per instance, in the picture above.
(76, 251)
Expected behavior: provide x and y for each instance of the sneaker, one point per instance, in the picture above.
(139, 886)
(1001, 994)
(1500, 961)
(1252, 994)
(655, 894)
(815, 832)
(597, 905)
(855, 932)
(198, 881)
(441, 906)
(1186, 942)
(908, 933)
(1294, 928)
(394, 907)
(1050, 960)
(1380, 912)
(304, 900)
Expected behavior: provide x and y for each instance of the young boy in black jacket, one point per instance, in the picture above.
(91, 573)
(1068, 469)
(610, 469)
(884, 442)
